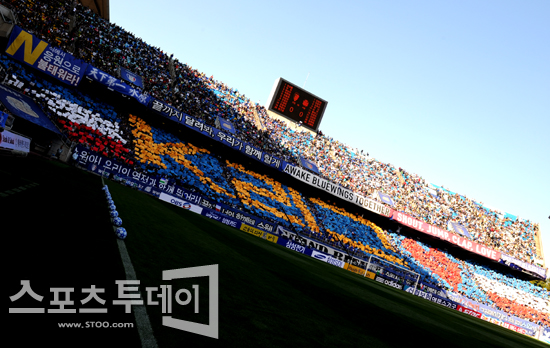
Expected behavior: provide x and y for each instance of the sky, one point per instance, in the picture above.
(457, 92)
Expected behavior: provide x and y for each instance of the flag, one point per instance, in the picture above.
(131, 77)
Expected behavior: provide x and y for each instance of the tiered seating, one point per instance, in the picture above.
(271, 200)
(355, 232)
(160, 152)
(74, 113)
(478, 282)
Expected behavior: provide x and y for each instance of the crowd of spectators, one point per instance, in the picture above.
(476, 281)
(262, 196)
(105, 45)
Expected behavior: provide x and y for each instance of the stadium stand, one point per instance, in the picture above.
(134, 141)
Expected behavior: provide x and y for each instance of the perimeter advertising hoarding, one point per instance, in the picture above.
(328, 259)
(431, 297)
(296, 104)
(180, 203)
(388, 282)
(496, 316)
(238, 215)
(292, 245)
(313, 244)
(545, 334)
(468, 311)
(354, 269)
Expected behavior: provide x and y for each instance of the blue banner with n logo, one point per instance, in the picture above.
(27, 48)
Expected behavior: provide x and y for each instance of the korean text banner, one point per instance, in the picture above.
(131, 77)
(157, 186)
(238, 215)
(37, 53)
(115, 84)
(226, 139)
(22, 106)
(337, 190)
(431, 297)
(462, 242)
(292, 245)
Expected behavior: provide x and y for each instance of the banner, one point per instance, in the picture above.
(457, 228)
(156, 185)
(12, 141)
(354, 269)
(166, 110)
(328, 259)
(115, 84)
(471, 312)
(430, 297)
(446, 235)
(225, 125)
(22, 106)
(27, 48)
(251, 230)
(388, 282)
(545, 334)
(384, 198)
(214, 215)
(495, 315)
(131, 77)
(226, 139)
(309, 165)
(3, 119)
(238, 215)
(294, 246)
(337, 190)
(324, 248)
(524, 266)
(180, 203)
(432, 290)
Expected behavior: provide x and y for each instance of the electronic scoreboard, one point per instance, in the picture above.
(296, 104)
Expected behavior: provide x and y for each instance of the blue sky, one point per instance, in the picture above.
(455, 91)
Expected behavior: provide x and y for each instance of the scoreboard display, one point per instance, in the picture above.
(296, 104)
